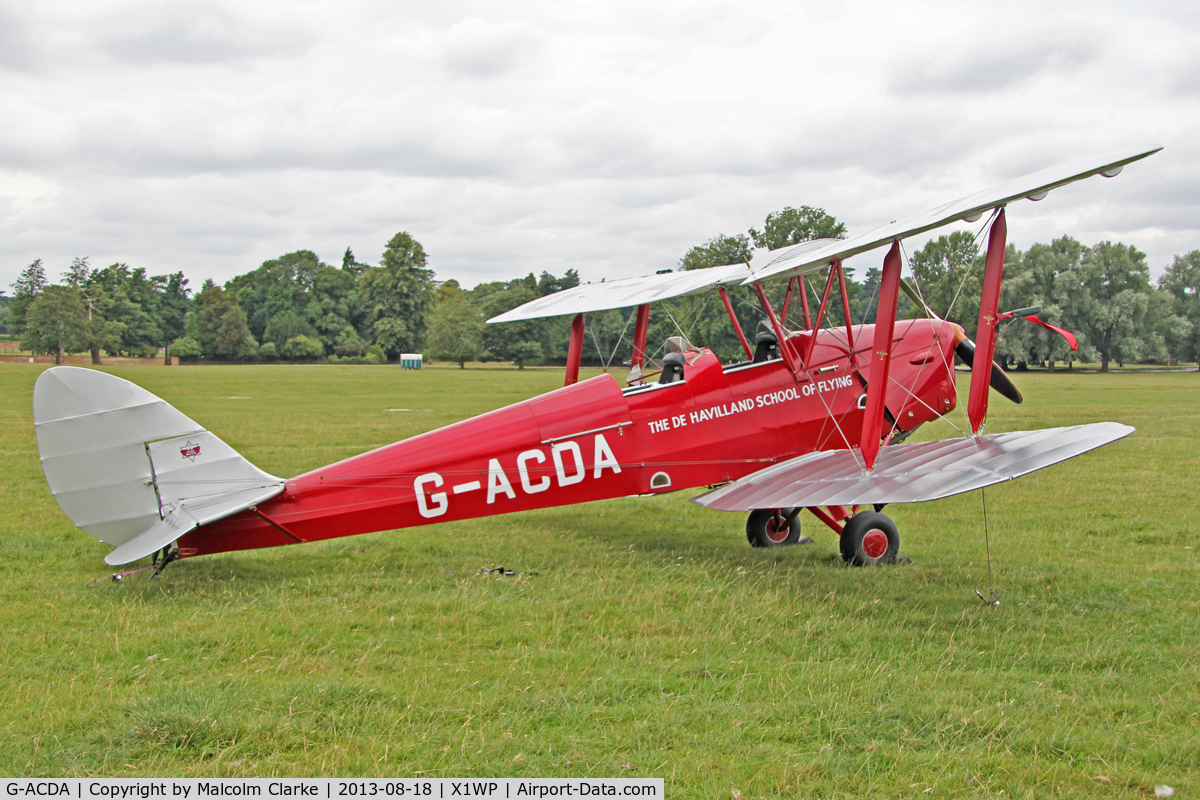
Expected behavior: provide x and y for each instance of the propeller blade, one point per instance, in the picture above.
(999, 378)
(912, 295)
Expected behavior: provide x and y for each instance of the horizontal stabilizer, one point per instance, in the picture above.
(175, 524)
(909, 473)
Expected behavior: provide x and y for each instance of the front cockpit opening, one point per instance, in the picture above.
(766, 346)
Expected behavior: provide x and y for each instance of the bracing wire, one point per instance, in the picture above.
(967, 271)
(829, 414)
(949, 367)
(987, 542)
(595, 341)
(621, 338)
(607, 362)
(991, 599)
(695, 315)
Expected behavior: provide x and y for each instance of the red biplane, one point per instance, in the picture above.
(813, 418)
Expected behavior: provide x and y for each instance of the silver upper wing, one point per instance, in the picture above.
(627, 292)
(796, 261)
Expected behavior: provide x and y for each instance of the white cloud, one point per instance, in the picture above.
(477, 48)
(603, 137)
(198, 33)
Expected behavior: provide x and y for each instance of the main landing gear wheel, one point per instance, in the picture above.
(870, 539)
(767, 527)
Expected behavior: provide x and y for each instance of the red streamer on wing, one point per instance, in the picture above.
(1070, 337)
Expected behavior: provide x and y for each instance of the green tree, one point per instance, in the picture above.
(192, 325)
(287, 325)
(1165, 333)
(334, 305)
(455, 326)
(1038, 283)
(497, 297)
(222, 326)
(279, 286)
(299, 295)
(947, 280)
(105, 331)
(186, 348)
(1109, 300)
(718, 252)
(703, 317)
(865, 300)
(790, 226)
(794, 225)
(172, 310)
(1182, 282)
(78, 273)
(398, 294)
(525, 351)
(352, 265)
(349, 343)
(55, 322)
(130, 298)
(304, 348)
(26, 288)
(548, 284)
(107, 311)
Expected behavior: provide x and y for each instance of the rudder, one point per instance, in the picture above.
(129, 469)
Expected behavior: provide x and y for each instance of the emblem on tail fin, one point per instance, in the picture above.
(108, 450)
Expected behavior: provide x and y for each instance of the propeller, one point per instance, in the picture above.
(999, 381)
(965, 350)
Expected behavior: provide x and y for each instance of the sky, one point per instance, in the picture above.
(528, 136)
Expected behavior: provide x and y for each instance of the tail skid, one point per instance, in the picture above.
(131, 470)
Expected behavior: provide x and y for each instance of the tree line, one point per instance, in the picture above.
(298, 308)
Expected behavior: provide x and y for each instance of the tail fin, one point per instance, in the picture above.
(129, 469)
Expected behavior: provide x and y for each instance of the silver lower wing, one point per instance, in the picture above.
(909, 473)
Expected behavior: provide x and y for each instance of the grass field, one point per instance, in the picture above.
(644, 637)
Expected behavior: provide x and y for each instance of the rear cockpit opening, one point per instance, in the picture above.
(672, 369)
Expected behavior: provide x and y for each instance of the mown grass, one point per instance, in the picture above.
(652, 641)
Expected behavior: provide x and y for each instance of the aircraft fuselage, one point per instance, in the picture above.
(593, 440)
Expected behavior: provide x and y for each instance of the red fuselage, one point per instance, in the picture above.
(593, 440)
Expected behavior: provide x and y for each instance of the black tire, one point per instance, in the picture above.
(870, 539)
(764, 528)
